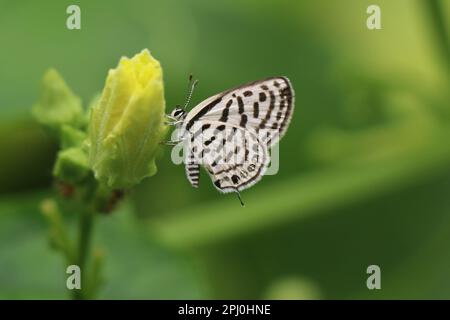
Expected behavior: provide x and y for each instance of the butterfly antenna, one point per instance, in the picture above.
(240, 199)
(192, 85)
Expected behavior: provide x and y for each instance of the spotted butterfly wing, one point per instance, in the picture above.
(224, 132)
(234, 158)
(258, 105)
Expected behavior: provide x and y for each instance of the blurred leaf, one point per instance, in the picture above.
(57, 105)
(333, 249)
(293, 288)
(135, 266)
(27, 155)
(303, 196)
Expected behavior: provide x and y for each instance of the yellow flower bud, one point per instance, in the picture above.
(127, 123)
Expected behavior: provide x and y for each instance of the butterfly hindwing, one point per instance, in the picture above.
(234, 158)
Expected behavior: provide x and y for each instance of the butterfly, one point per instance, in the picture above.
(230, 134)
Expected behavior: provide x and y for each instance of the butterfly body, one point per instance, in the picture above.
(230, 133)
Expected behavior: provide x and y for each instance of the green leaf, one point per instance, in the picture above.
(57, 105)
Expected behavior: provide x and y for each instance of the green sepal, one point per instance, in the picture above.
(58, 105)
(72, 165)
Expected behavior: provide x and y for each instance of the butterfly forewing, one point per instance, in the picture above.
(230, 133)
(265, 104)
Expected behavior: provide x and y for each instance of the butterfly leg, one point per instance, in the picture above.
(170, 143)
(172, 123)
(240, 199)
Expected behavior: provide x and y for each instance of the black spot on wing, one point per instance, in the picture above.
(279, 114)
(243, 120)
(255, 109)
(208, 142)
(240, 105)
(262, 97)
(225, 112)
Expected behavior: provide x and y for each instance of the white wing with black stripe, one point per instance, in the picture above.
(265, 104)
(230, 133)
(234, 158)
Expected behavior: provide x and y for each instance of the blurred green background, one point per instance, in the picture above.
(364, 168)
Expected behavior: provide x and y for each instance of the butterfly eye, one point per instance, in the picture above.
(176, 112)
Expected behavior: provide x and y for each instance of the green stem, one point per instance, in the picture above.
(84, 241)
(437, 21)
(85, 236)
